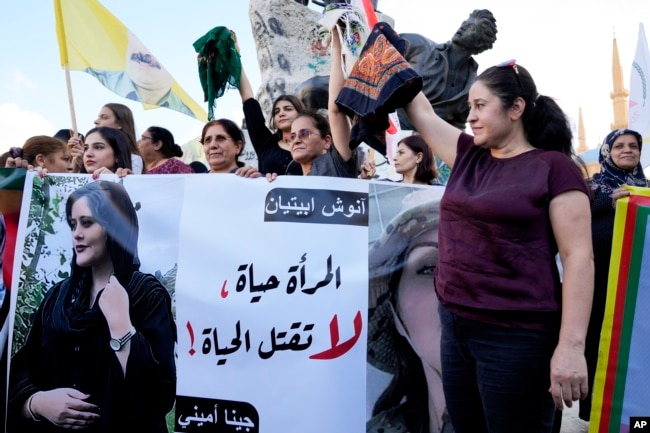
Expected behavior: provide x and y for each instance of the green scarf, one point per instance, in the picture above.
(219, 65)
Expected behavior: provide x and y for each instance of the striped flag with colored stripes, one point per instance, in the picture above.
(622, 384)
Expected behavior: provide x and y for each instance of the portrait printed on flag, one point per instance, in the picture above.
(93, 40)
(144, 80)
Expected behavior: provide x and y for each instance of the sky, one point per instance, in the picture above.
(565, 44)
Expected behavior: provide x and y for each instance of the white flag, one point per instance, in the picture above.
(639, 101)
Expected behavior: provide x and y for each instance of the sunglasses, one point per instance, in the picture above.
(511, 64)
(303, 134)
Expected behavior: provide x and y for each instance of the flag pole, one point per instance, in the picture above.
(73, 117)
(63, 52)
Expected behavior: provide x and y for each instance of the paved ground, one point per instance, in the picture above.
(571, 423)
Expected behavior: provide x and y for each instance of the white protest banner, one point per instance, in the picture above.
(270, 288)
(271, 316)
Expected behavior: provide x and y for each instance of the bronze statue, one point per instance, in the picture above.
(448, 70)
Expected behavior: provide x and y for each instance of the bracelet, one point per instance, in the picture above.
(29, 408)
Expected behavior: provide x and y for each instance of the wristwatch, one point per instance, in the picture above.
(117, 344)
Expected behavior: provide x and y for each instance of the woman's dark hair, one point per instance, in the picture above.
(426, 170)
(293, 100)
(118, 142)
(320, 122)
(169, 148)
(111, 206)
(582, 166)
(545, 124)
(198, 167)
(231, 129)
(38, 145)
(124, 117)
(65, 135)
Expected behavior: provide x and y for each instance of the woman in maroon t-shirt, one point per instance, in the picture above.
(513, 335)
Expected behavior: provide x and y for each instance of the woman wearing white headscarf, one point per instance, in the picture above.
(620, 165)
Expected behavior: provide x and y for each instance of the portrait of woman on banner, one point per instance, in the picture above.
(100, 351)
(403, 323)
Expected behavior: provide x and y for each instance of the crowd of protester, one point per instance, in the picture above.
(501, 301)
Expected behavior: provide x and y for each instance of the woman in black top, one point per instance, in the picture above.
(272, 148)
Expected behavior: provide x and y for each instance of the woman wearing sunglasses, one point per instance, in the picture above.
(311, 147)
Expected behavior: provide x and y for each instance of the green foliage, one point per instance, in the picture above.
(444, 171)
(171, 417)
(46, 216)
(169, 281)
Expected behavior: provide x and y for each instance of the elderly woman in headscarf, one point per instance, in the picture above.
(619, 158)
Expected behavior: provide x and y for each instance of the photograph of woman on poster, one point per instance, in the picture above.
(404, 327)
(100, 351)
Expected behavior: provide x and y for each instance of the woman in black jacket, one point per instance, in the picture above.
(100, 352)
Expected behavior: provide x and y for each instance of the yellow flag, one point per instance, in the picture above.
(93, 40)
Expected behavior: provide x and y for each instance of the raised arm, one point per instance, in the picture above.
(339, 122)
(261, 136)
(441, 137)
(245, 88)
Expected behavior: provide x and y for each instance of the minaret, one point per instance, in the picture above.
(619, 95)
(582, 139)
